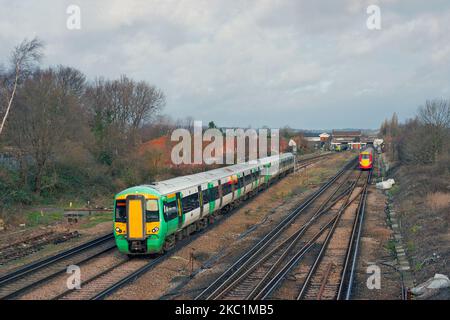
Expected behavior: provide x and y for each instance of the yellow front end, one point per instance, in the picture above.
(136, 219)
(365, 161)
(137, 225)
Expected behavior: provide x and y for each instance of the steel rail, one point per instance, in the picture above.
(219, 283)
(98, 275)
(293, 240)
(323, 248)
(32, 267)
(275, 281)
(353, 248)
(153, 263)
(133, 276)
(304, 163)
(290, 241)
(250, 256)
(36, 283)
(130, 278)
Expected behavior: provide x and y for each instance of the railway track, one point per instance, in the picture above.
(317, 261)
(99, 285)
(249, 277)
(32, 275)
(306, 162)
(331, 273)
(349, 268)
(95, 286)
(33, 244)
(109, 281)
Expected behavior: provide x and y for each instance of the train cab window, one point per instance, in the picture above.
(190, 203)
(121, 211)
(170, 210)
(151, 211)
(365, 156)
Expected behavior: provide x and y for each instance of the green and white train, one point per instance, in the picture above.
(152, 218)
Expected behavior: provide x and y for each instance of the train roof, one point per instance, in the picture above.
(367, 150)
(180, 183)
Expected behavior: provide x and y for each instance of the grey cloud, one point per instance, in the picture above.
(310, 64)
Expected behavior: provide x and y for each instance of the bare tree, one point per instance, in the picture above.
(46, 118)
(118, 108)
(414, 143)
(124, 102)
(72, 81)
(436, 113)
(435, 116)
(23, 58)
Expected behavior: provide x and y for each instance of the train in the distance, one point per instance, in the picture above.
(152, 218)
(366, 159)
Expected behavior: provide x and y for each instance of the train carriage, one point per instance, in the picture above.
(151, 218)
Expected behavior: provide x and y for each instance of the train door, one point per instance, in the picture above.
(227, 191)
(136, 217)
(180, 210)
(190, 204)
(210, 194)
(267, 173)
(254, 178)
(259, 178)
(248, 181)
(170, 212)
(232, 182)
(220, 194)
(200, 199)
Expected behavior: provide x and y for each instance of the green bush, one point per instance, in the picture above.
(12, 190)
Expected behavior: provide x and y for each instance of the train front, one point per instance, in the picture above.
(365, 160)
(138, 223)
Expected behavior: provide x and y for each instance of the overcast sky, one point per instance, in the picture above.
(306, 64)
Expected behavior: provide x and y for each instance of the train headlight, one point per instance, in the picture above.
(118, 230)
(155, 229)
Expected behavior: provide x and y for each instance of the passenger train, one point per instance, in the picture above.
(152, 218)
(366, 159)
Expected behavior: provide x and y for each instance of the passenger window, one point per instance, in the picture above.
(205, 194)
(240, 182)
(170, 210)
(214, 193)
(226, 188)
(190, 203)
